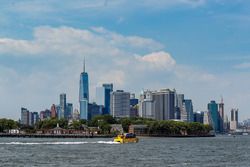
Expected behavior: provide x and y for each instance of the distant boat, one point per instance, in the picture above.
(245, 134)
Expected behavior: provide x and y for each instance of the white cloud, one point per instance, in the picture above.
(167, 3)
(245, 65)
(158, 60)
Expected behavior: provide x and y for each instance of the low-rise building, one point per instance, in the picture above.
(138, 129)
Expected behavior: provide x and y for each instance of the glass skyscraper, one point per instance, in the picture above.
(62, 105)
(103, 96)
(84, 94)
(213, 111)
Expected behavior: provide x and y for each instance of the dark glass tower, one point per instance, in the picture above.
(108, 88)
(213, 111)
(84, 94)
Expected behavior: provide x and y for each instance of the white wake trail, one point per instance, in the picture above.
(58, 143)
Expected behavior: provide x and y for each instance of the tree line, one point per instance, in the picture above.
(103, 122)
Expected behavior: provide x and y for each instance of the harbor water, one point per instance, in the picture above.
(223, 151)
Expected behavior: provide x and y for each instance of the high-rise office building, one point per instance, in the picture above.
(179, 112)
(69, 111)
(221, 115)
(84, 94)
(234, 119)
(213, 112)
(146, 105)
(94, 110)
(100, 96)
(103, 96)
(108, 89)
(24, 116)
(31, 119)
(58, 111)
(133, 106)
(164, 104)
(53, 111)
(62, 105)
(35, 117)
(120, 103)
(188, 109)
(206, 118)
(199, 117)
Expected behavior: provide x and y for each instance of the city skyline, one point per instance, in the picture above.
(41, 47)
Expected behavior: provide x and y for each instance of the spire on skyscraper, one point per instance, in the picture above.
(221, 99)
(84, 64)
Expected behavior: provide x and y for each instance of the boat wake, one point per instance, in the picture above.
(58, 143)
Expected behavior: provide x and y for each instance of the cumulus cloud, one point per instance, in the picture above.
(157, 60)
(67, 40)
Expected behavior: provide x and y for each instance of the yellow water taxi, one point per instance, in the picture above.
(126, 138)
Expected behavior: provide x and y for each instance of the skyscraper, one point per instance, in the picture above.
(146, 105)
(164, 104)
(53, 111)
(120, 103)
(62, 105)
(35, 117)
(188, 109)
(234, 119)
(179, 112)
(31, 119)
(24, 116)
(199, 117)
(213, 112)
(221, 115)
(108, 88)
(103, 96)
(69, 111)
(133, 106)
(84, 94)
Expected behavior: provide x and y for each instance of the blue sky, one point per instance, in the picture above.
(199, 47)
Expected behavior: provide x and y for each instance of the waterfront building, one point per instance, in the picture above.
(24, 116)
(63, 106)
(53, 111)
(188, 109)
(164, 104)
(221, 115)
(103, 96)
(213, 112)
(120, 103)
(84, 94)
(94, 110)
(234, 119)
(146, 105)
